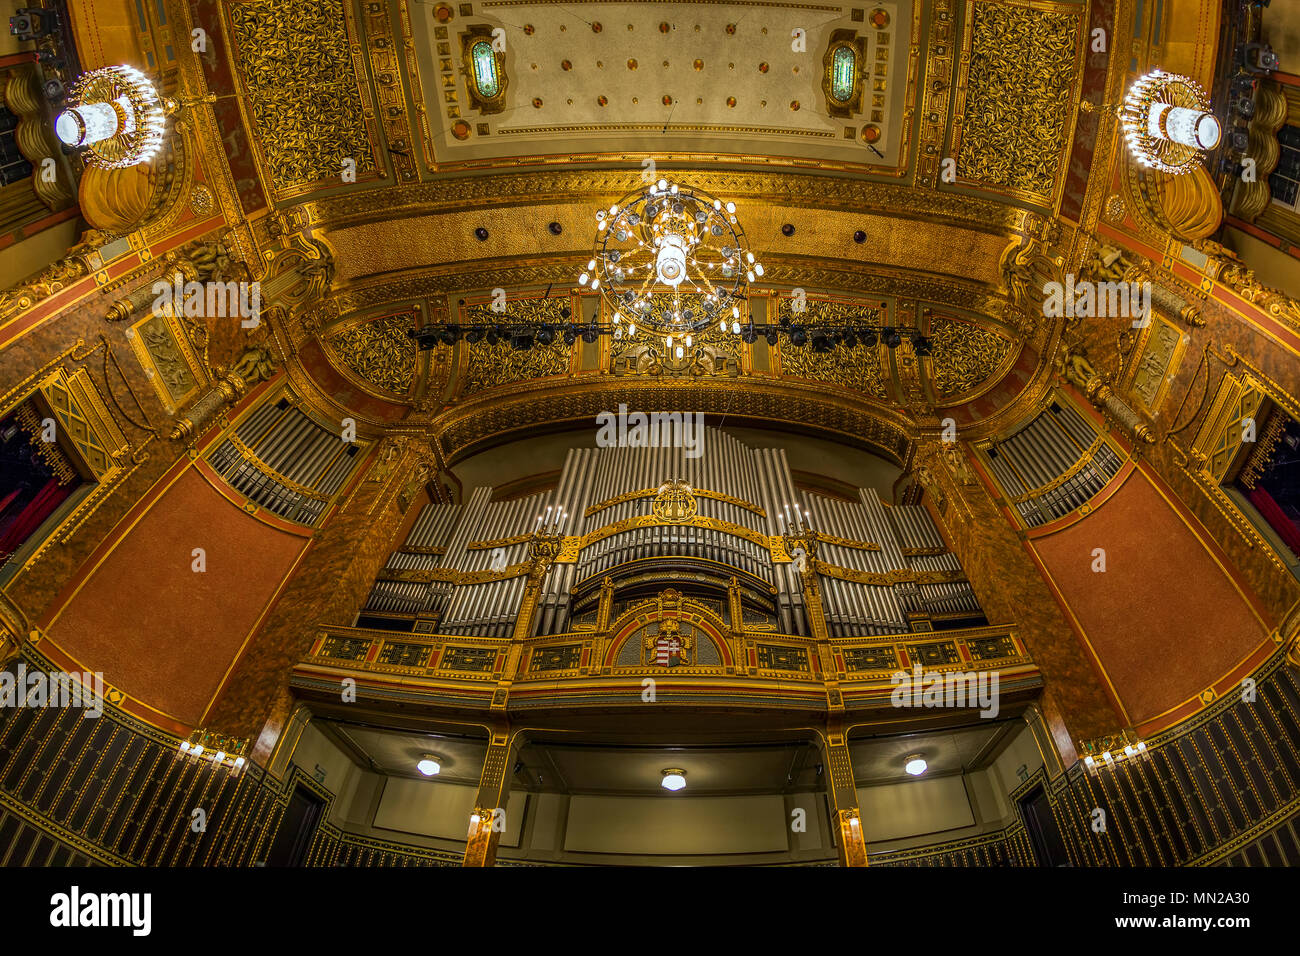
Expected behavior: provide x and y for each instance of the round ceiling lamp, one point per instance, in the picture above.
(672, 259)
(673, 779)
(429, 765)
(916, 765)
(116, 115)
(1168, 123)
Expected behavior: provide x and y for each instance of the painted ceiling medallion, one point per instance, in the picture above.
(671, 259)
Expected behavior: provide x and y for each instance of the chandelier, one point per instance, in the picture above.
(672, 259)
(115, 114)
(1168, 123)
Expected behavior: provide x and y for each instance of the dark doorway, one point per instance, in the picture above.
(1044, 835)
(296, 829)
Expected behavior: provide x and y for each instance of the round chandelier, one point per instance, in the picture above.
(116, 114)
(672, 259)
(1168, 123)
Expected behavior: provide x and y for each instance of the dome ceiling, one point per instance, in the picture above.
(882, 161)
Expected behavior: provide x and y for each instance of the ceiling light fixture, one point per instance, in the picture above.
(916, 765)
(429, 765)
(676, 241)
(673, 779)
(116, 115)
(1168, 123)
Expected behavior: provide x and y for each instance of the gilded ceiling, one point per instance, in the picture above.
(661, 78)
(882, 157)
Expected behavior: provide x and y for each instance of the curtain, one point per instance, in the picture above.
(31, 517)
(1277, 519)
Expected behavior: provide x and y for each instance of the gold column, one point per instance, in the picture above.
(488, 820)
(542, 552)
(816, 614)
(606, 607)
(844, 797)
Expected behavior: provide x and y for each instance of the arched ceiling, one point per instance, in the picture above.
(368, 139)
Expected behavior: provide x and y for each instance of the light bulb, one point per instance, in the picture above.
(428, 766)
(916, 766)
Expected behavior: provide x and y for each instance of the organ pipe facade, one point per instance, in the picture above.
(462, 568)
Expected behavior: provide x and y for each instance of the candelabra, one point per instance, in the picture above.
(1106, 751)
(220, 749)
(547, 540)
(797, 534)
(671, 258)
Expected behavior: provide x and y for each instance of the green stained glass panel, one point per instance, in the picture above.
(843, 70)
(485, 70)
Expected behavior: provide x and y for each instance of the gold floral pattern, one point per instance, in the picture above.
(302, 89)
(1019, 86)
(965, 355)
(379, 352)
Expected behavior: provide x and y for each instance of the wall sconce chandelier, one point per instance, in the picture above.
(676, 241)
(1168, 123)
(116, 115)
(226, 751)
(1109, 750)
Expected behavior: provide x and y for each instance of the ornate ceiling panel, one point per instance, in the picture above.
(520, 235)
(309, 115)
(662, 78)
(378, 351)
(490, 364)
(966, 356)
(1019, 70)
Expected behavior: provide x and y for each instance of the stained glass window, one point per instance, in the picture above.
(485, 69)
(844, 63)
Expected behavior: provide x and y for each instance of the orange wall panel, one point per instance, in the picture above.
(1164, 619)
(160, 631)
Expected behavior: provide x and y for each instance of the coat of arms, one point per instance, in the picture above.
(669, 648)
(674, 501)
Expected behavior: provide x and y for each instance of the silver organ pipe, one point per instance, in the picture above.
(290, 445)
(592, 476)
(1044, 451)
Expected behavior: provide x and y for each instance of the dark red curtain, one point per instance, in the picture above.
(30, 518)
(1277, 519)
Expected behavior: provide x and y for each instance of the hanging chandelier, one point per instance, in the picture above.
(1168, 123)
(116, 115)
(671, 259)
